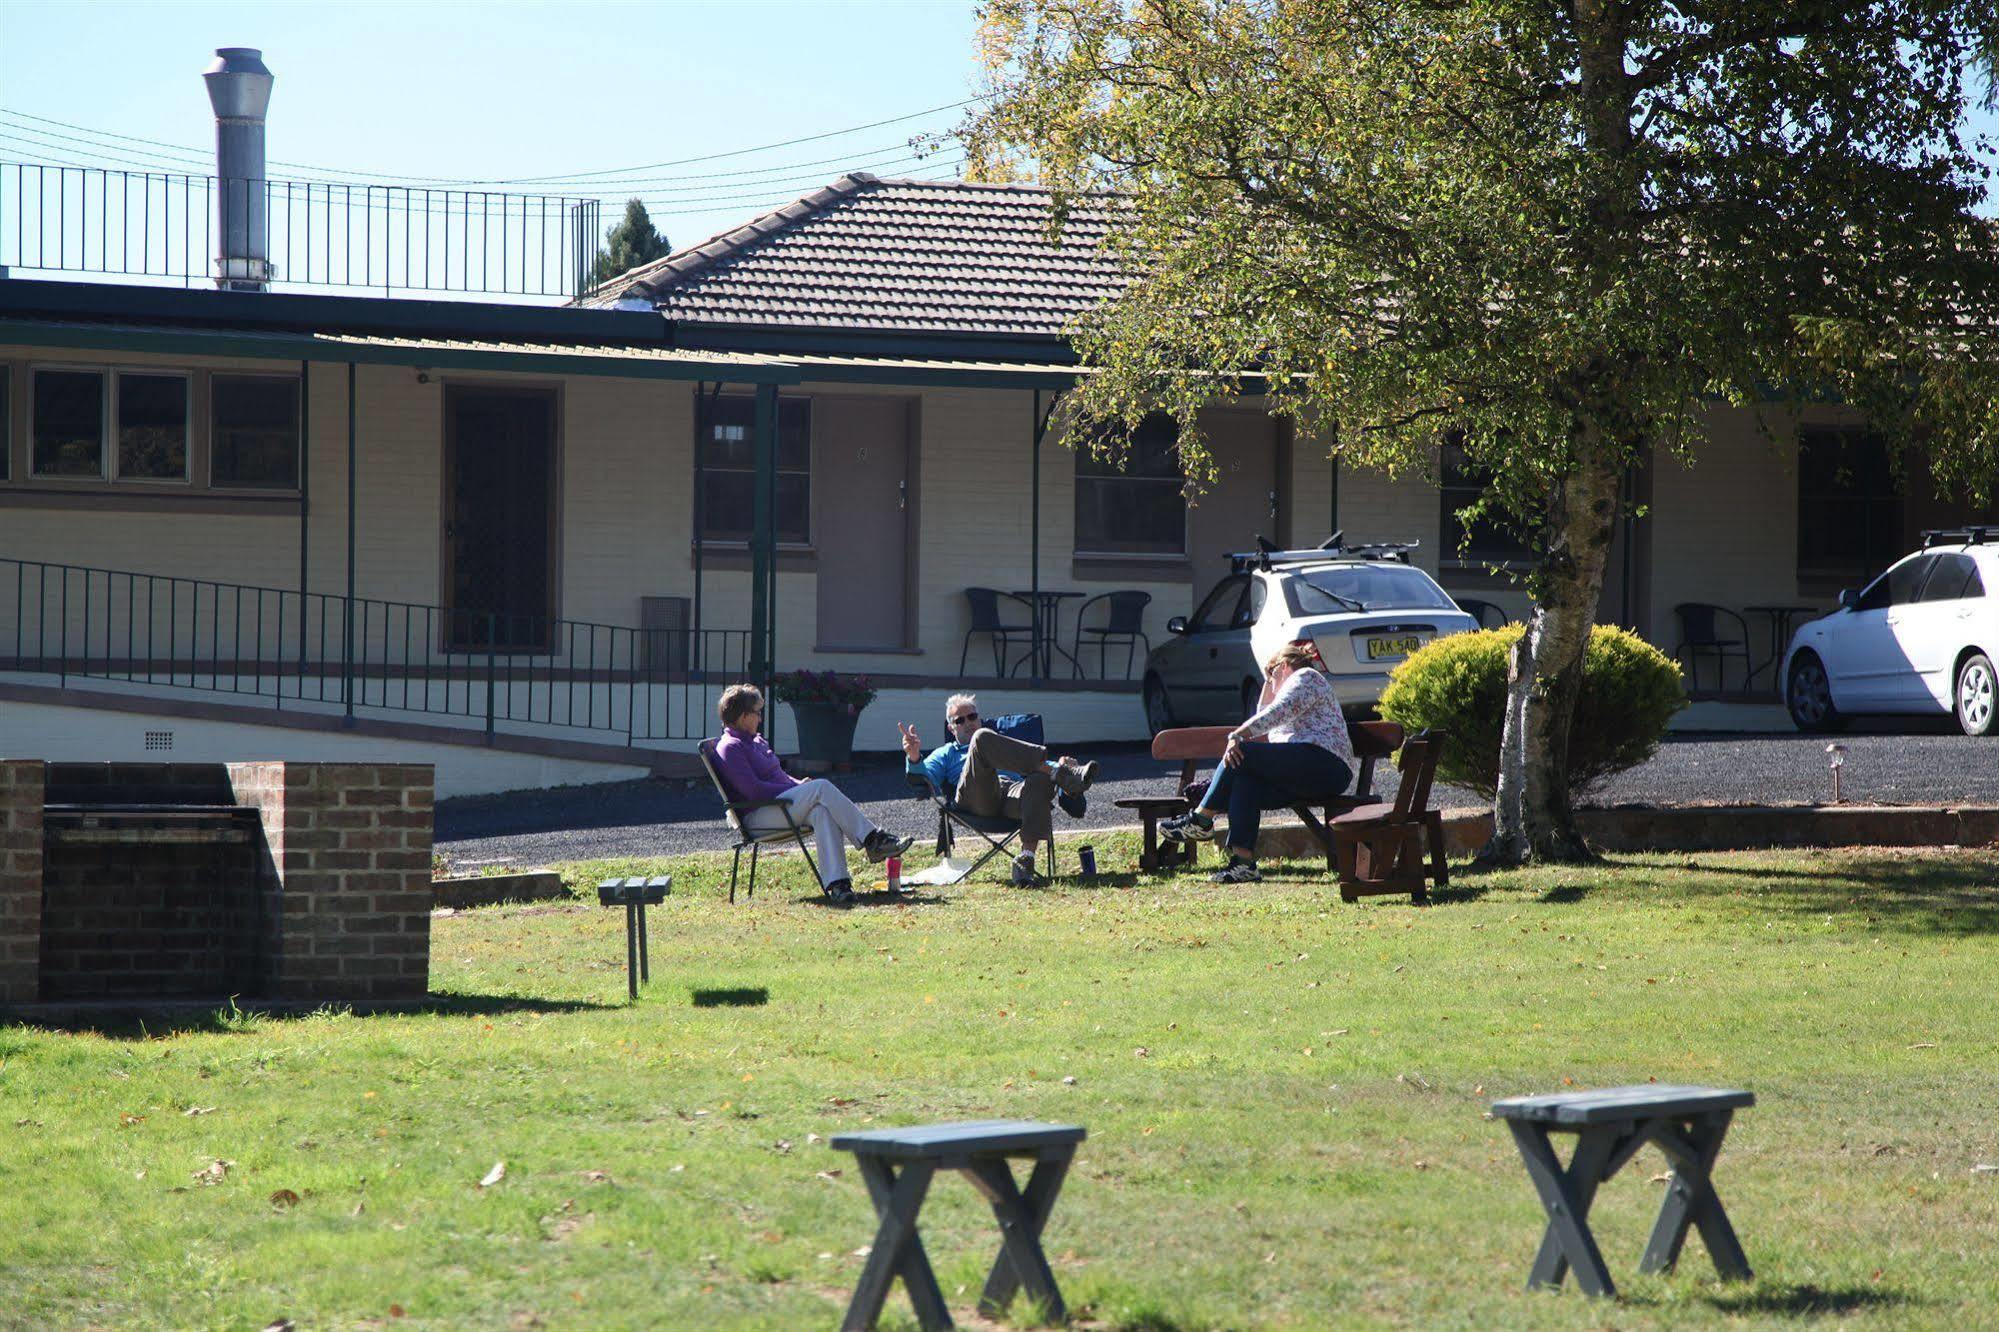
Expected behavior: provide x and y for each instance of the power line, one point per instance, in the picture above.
(608, 175)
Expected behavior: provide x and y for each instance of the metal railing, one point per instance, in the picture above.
(328, 653)
(161, 225)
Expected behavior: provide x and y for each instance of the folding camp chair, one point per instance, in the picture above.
(754, 839)
(997, 831)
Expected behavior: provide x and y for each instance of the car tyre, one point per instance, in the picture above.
(1809, 696)
(1977, 695)
(1158, 708)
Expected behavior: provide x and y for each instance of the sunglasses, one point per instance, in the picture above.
(960, 721)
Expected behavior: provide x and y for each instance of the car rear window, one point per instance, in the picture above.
(1370, 587)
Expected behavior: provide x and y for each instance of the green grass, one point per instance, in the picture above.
(1284, 1096)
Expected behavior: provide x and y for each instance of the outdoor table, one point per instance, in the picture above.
(1150, 810)
(1611, 1125)
(1047, 606)
(635, 895)
(1780, 637)
(898, 1164)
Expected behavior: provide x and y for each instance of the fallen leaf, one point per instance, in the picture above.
(359, 1208)
(495, 1175)
(829, 1174)
(284, 1198)
(597, 1176)
(864, 1251)
(395, 1311)
(1142, 1052)
(129, 1120)
(1069, 1081)
(813, 1137)
(194, 1110)
(1924, 1045)
(280, 1325)
(1664, 1177)
(213, 1172)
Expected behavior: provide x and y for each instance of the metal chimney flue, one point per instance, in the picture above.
(239, 88)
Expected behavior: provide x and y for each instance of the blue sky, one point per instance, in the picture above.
(503, 91)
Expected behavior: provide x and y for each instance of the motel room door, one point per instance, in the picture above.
(1243, 504)
(499, 518)
(861, 520)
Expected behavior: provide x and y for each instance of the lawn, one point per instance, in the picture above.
(1285, 1098)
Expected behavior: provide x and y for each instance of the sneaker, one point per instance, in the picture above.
(1023, 872)
(1073, 778)
(881, 844)
(1193, 826)
(1236, 871)
(840, 892)
(1075, 804)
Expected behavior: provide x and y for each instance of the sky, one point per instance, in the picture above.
(502, 91)
(421, 90)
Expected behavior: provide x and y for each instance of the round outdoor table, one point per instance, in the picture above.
(1047, 616)
(1780, 618)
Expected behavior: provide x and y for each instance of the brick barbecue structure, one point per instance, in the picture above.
(287, 882)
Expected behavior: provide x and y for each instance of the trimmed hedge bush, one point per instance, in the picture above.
(1457, 684)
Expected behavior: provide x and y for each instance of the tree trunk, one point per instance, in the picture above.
(1532, 817)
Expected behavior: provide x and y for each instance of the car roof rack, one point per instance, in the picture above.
(1266, 555)
(1956, 536)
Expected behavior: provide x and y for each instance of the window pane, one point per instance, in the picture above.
(1149, 452)
(1849, 504)
(730, 440)
(1905, 581)
(1486, 539)
(1974, 586)
(69, 423)
(1130, 516)
(1219, 608)
(152, 427)
(728, 507)
(1368, 587)
(255, 432)
(1947, 581)
(6, 422)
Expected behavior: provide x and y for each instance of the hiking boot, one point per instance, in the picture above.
(1073, 778)
(840, 892)
(1193, 826)
(1075, 806)
(1023, 872)
(1237, 870)
(881, 844)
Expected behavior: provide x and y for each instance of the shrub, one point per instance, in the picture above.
(852, 692)
(1457, 684)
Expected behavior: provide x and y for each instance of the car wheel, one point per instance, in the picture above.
(1158, 711)
(1976, 687)
(1809, 696)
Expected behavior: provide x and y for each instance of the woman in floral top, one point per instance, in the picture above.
(1308, 756)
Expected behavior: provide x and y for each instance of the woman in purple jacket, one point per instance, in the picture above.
(750, 771)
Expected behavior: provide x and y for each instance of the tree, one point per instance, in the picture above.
(1555, 232)
(629, 242)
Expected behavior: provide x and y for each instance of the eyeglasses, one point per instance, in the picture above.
(960, 721)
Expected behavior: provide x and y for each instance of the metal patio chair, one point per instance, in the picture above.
(1704, 633)
(1125, 624)
(985, 604)
(749, 838)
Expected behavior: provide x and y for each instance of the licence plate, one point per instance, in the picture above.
(1377, 648)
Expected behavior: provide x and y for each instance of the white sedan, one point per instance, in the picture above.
(1920, 639)
(1364, 607)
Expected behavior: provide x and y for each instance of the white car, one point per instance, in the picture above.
(1919, 639)
(1366, 607)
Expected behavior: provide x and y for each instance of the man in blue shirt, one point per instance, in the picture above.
(984, 770)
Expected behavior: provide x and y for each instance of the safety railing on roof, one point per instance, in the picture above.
(364, 656)
(162, 226)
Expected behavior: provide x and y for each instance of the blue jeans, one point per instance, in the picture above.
(1272, 776)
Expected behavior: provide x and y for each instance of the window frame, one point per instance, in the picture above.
(115, 444)
(704, 424)
(1083, 456)
(298, 441)
(106, 433)
(1891, 543)
(1451, 554)
(109, 475)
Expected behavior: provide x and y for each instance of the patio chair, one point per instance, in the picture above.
(751, 838)
(1125, 625)
(1488, 614)
(1382, 848)
(997, 831)
(985, 604)
(1704, 633)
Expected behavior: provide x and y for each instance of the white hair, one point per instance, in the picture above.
(951, 703)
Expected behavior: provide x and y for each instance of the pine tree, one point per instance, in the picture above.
(630, 242)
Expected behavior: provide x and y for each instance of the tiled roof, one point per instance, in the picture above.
(891, 256)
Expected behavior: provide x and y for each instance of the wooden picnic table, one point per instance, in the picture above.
(1610, 1125)
(898, 1164)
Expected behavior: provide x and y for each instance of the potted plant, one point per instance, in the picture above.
(827, 705)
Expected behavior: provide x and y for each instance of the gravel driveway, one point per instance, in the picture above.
(647, 818)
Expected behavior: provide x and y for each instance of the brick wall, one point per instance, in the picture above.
(347, 876)
(20, 879)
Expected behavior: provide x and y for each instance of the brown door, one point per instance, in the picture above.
(1244, 504)
(499, 519)
(860, 477)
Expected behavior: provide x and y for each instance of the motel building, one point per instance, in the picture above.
(492, 518)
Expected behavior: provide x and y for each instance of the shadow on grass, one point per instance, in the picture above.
(1786, 1300)
(737, 996)
(1919, 895)
(139, 1021)
(1564, 894)
(881, 899)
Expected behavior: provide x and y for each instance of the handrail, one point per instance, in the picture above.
(280, 647)
(381, 238)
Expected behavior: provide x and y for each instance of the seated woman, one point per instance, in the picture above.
(751, 771)
(1309, 755)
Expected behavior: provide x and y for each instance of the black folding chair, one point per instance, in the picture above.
(1125, 625)
(985, 604)
(1703, 634)
(753, 839)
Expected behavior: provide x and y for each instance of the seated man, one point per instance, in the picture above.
(751, 771)
(982, 769)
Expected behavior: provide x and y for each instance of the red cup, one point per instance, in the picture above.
(895, 874)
